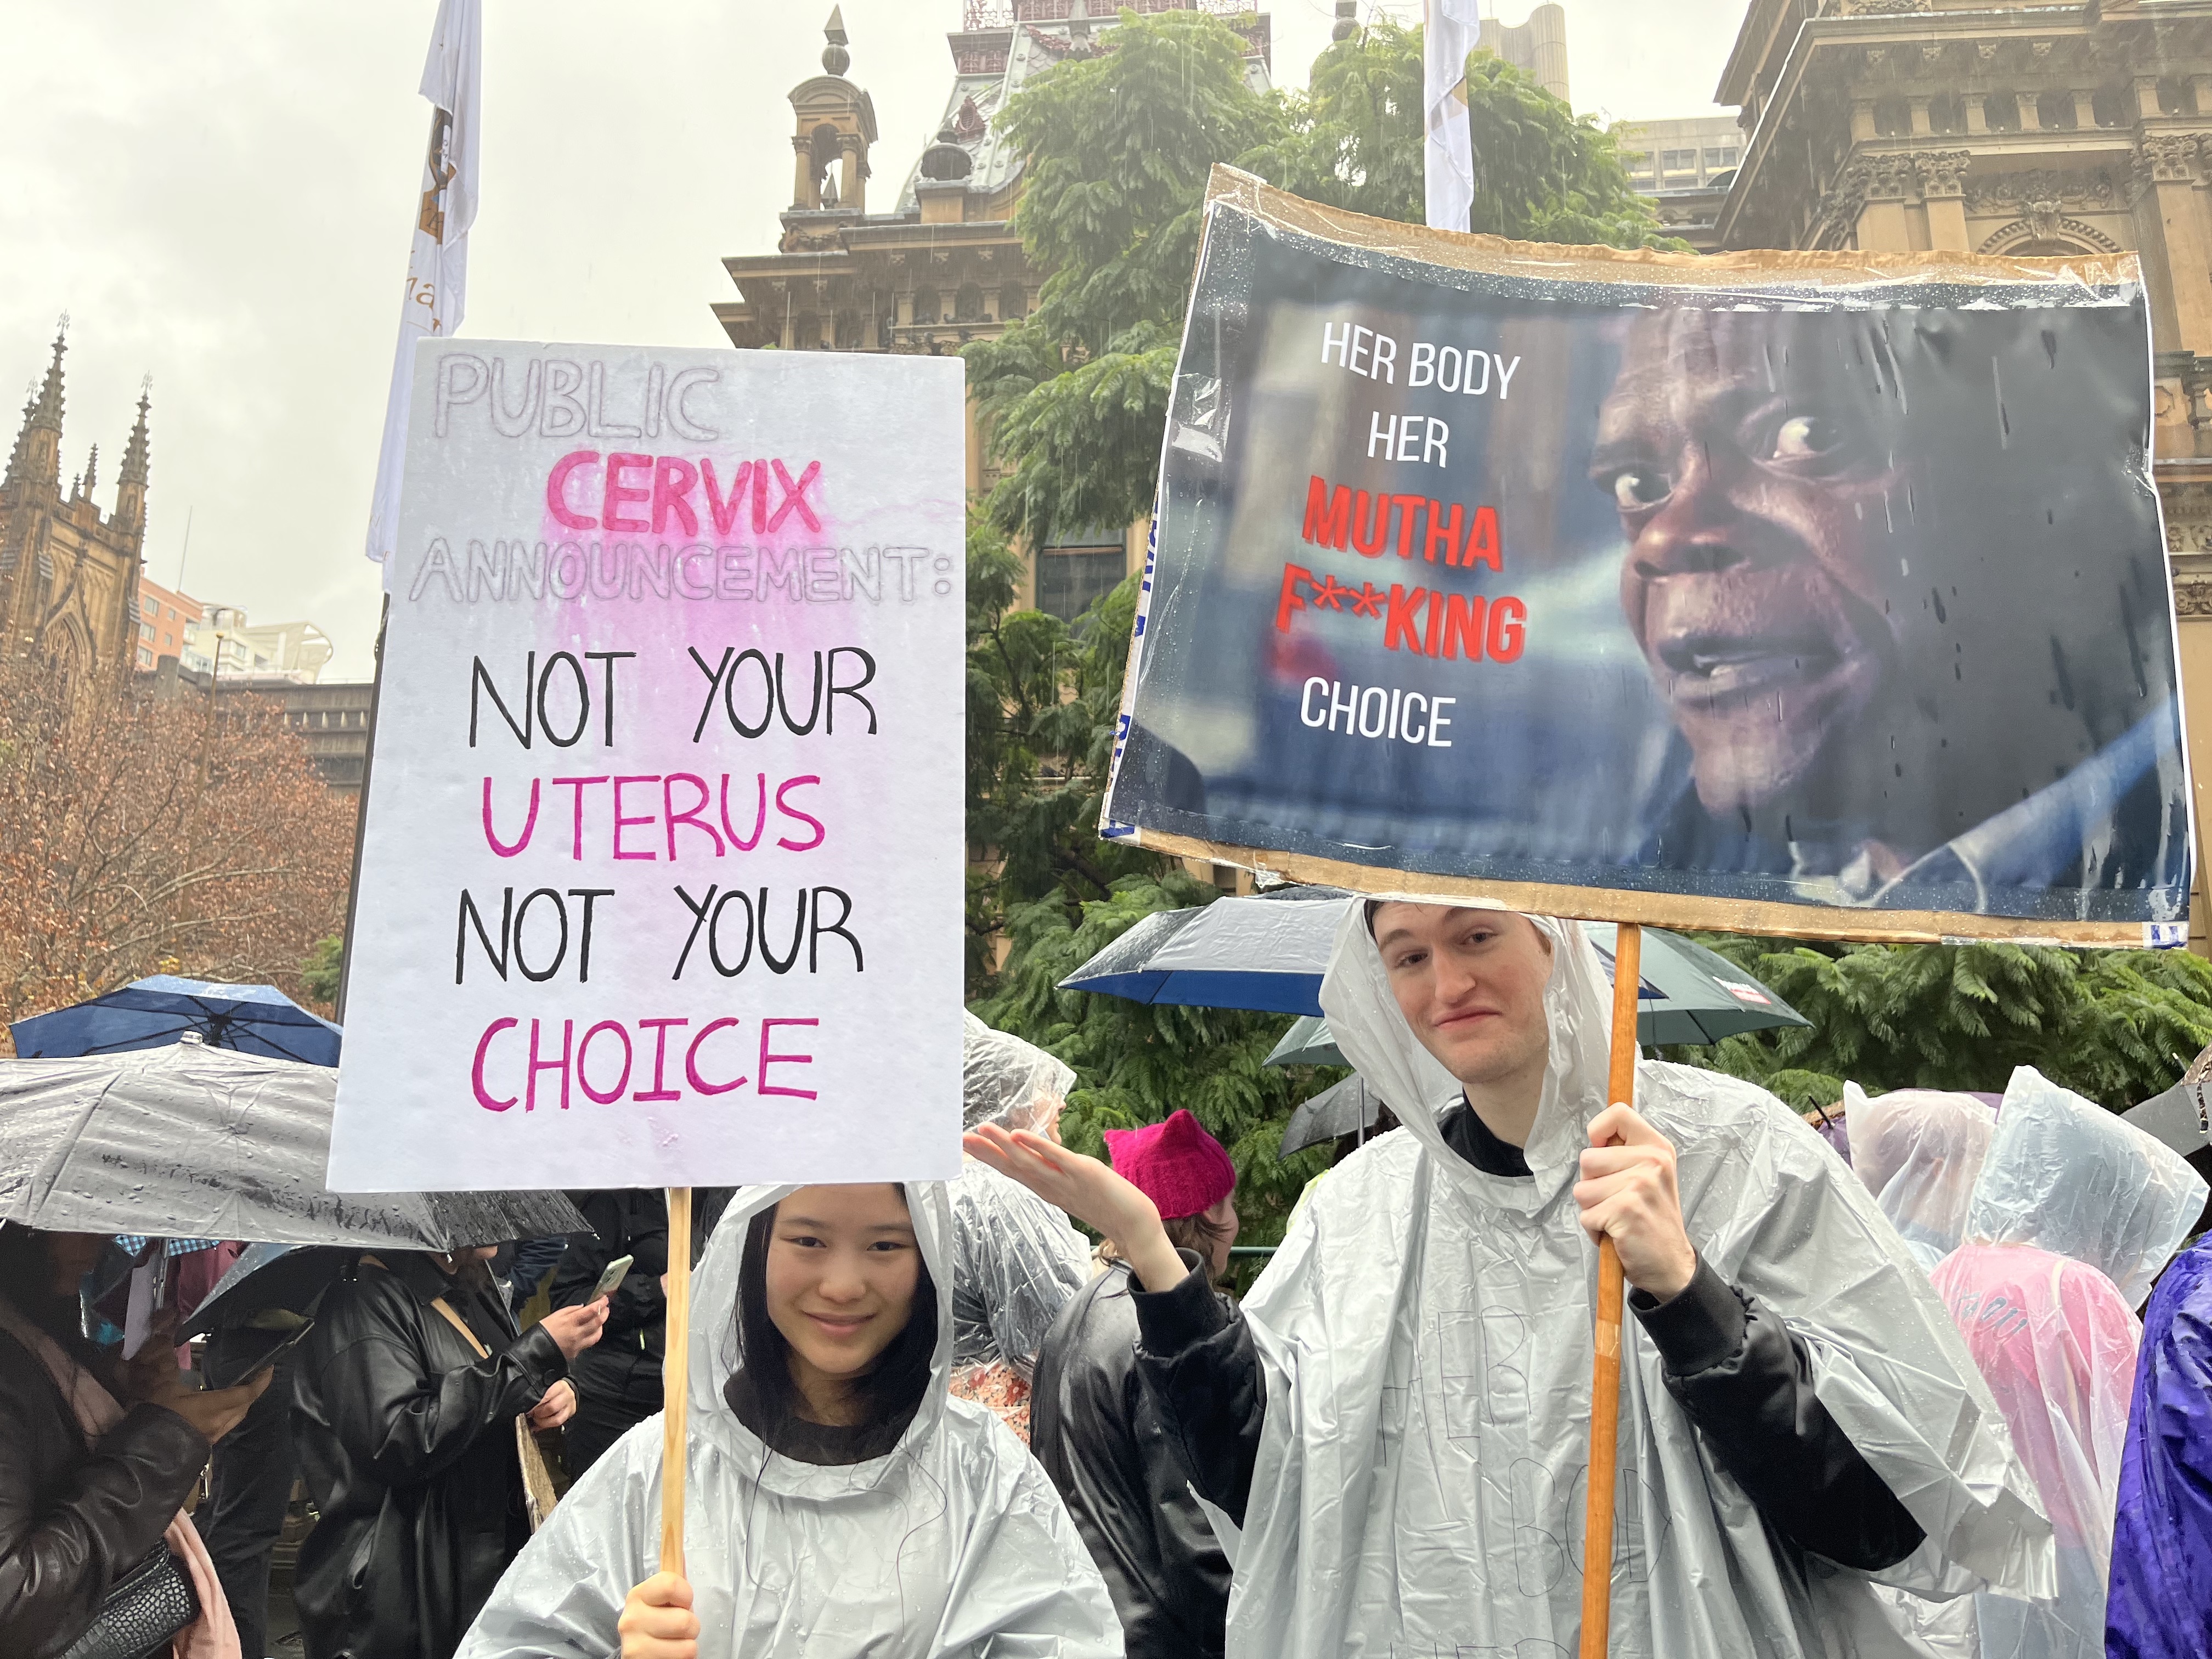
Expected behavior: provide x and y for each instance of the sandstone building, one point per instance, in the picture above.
(69, 572)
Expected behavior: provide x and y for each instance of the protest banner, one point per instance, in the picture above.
(662, 878)
(1820, 594)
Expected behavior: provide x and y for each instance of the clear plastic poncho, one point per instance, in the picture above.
(1427, 1335)
(2065, 1175)
(1919, 1151)
(954, 1546)
(1007, 1081)
(1016, 1259)
(2069, 1200)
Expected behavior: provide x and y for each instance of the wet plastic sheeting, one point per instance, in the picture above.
(196, 1142)
(1920, 1152)
(1006, 1081)
(2067, 1176)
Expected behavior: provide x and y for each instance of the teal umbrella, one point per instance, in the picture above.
(1688, 995)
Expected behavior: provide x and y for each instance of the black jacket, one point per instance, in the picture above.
(74, 1517)
(1736, 1370)
(630, 1221)
(406, 1440)
(1100, 1437)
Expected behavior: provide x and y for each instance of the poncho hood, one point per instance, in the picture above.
(1426, 1334)
(1919, 1151)
(2068, 1177)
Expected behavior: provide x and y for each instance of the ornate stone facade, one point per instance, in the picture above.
(68, 574)
(943, 266)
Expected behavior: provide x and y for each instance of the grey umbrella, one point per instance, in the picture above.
(1336, 1110)
(197, 1142)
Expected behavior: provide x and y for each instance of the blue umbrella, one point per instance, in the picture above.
(1265, 953)
(152, 1013)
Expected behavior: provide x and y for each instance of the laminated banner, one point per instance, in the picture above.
(1813, 593)
(661, 877)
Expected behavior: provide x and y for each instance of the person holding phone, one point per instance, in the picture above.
(405, 1400)
(839, 1501)
(80, 1511)
(618, 1380)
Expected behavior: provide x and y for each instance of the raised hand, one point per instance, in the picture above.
(1090, 1192)
(575, 1330)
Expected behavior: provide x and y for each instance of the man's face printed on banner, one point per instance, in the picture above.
(1763, 509)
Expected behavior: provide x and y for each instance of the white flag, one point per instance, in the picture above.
(438, 268)
(1453, 28)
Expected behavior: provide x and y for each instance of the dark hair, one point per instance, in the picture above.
(885, 1396)
(26, 1274)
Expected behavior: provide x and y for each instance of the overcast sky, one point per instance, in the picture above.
(219, 194)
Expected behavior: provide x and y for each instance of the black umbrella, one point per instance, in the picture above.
(1338, 1109)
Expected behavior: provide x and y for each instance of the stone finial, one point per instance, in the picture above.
(945, 161)
(91, 470)
(1347, 20)
(835, 59)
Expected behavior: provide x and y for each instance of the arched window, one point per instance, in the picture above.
(925, 305)
(1013, 302)
(806, 332)
(968, 304)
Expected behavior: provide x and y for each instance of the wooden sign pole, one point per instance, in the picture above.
(675, 1379)
(1605, 1382)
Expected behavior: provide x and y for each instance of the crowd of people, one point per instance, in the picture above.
(1898, 1401)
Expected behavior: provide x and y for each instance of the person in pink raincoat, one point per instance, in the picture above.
(2072, 1216)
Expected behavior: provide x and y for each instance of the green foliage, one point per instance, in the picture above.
(2116, 1026)
(1354, 139)
(1116, 150)
(1138, 1062)
(1043, 697)
(318, 972)
(1543, 173)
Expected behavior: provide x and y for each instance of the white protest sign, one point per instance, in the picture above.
(663, 863)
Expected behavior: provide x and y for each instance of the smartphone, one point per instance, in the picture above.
(611, 1281)
(252, 1347)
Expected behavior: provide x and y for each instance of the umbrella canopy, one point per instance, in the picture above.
(1265, 953)
(152, 1013)
(1336, 1110)
(195, 1142)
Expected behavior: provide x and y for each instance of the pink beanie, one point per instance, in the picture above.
(1177, 1165)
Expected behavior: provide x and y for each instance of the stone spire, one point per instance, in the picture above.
(37, 454)
(90, 481)
(835, 59)
(46, 413)
(131, 480)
